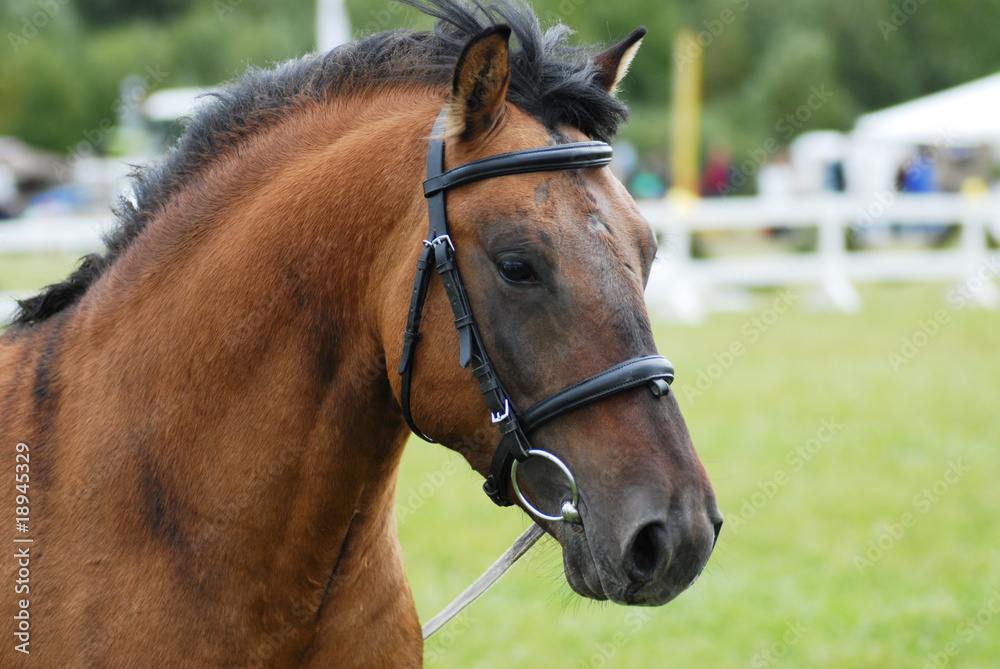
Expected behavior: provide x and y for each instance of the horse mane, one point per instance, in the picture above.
(550, 80)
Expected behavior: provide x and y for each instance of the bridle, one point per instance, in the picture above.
(439, 252)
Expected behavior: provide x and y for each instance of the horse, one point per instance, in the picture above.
(204, 423)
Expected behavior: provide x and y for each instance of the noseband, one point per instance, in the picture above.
(439, 251)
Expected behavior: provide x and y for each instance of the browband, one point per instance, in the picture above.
(543, 159)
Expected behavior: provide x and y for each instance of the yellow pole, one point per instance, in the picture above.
(686, 115)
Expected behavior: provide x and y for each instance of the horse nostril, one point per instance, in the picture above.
(649, 553)
(718, 528)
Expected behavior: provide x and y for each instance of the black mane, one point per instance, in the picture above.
(551, 80)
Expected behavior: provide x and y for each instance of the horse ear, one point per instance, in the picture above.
(480, 83)
(612, 65)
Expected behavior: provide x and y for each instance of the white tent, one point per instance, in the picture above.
(967, 115)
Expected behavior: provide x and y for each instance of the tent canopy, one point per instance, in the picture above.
(967, 115)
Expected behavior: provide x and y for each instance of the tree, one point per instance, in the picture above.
(101, 13)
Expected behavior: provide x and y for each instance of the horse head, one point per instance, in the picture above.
(554, 264)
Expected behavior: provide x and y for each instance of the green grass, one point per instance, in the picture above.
(26, 272)
(786, 564)
(23, 274)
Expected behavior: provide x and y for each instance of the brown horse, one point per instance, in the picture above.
(206, 419)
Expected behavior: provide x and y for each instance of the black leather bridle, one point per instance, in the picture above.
(439, 252)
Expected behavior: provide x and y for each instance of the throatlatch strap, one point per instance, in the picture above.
(436, 218)
(411, 335)
(440, 246)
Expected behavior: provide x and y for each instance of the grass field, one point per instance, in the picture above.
(861, 506)
(24, 272)
(855, 458)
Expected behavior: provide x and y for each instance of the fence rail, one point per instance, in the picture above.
(681, 285)
(58, 234)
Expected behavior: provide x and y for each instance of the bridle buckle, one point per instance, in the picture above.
(498, 416)
(438, 239)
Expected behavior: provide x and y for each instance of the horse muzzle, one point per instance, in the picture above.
(639, 554)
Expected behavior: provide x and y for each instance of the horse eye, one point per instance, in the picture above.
(516, 271)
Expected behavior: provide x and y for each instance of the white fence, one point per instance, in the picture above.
(67, 234)
(681, 286)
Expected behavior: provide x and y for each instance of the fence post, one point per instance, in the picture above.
(674, 287)
(832, 251)
(973, 244)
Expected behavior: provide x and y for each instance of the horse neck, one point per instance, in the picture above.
(236, 355)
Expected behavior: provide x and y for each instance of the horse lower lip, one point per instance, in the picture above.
(587, 583)
(590, 591)
(580, 568)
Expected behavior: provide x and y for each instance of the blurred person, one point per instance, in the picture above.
(919, 175)
(834, 179)
(715, 178)
(646, 184)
